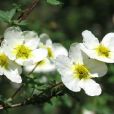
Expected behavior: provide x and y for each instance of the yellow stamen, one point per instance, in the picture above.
(3, 61)
(50, 54)
(41, 63)
(23, 52)
(80, 71)
(103, 51)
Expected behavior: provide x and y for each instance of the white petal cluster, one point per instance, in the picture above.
(84, 62)
(22, 46)
(77, 71)
(19, 49)
(44, 66)
(54, 49)
(102, 51)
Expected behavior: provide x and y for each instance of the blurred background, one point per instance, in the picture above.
(65, 25)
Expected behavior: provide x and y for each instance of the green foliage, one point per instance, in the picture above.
(19, 8)
(54, 2)
(24, 95)
(22, 23)
(7, 16)
(34, 83)
(5, 102)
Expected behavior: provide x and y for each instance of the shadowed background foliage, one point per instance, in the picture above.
(65, 25)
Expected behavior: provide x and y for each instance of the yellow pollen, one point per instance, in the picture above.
(103, 51)
(81, 72)
(50, 54)
(41, 63)
(3, 61)
(23, 52)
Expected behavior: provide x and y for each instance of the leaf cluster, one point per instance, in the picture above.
(34, 83)
(7, 16)
(5, 102)
(49, 89)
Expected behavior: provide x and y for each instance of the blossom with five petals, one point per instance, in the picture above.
(22, 46)
(77, 71)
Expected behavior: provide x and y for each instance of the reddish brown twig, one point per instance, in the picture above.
(24, 103)
(28, 11)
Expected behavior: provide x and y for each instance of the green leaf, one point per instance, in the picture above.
(40, 88)
(5, 101)
(34, 83)
(22, 23)
(54, 2)
(24, 95)
(19, 8)
(12, 13)
(7, 16)
(4, 17)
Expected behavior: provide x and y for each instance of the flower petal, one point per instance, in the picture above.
(12, 66)
(39, 54)
(44, 38)
(71, 83)
(58, 49)
(7, 49)
(108, 41)
(76, 54)
(29, 35)
(96, 68)
(63, 64)
(90, 41)
(91, 87)
(13, 75)
(12, 32)
(32, 44)
(47, 66)
(1, 71)
(24, 62)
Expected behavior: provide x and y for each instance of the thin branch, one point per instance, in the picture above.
(34, 68)
(16, 92)
(50, 88)
(22, 85)
(24, 103)
(22, 18)
(28, 11)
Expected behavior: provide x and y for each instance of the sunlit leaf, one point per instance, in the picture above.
(55, 2)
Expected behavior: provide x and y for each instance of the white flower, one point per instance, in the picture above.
(9, 68)
(44, 66)
(54, 49)
(103, 51)
(77, 71)
(22, 46)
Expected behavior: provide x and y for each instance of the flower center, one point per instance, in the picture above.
(3, 61)
(103, 51)
(81, 72)
(22, 52)
(50, 54)
(41, 63)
